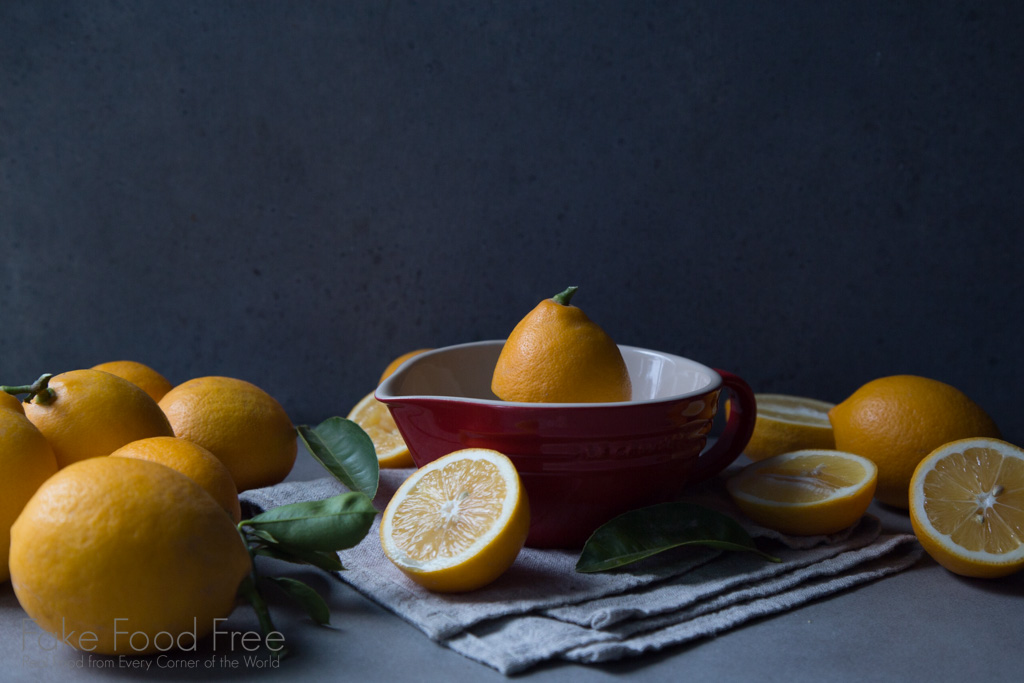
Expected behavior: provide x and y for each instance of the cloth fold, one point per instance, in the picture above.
(542, 609)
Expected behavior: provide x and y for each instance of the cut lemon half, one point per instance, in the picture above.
(375, 419)
(789, 423)
(967, 507)
(806, 492)
(457, 523)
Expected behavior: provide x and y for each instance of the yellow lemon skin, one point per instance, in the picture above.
(26, 461)
(139, 374)
(244, 426)
(896, 421)
(556, 354)
(128, 555)
(9, 402)
(192, 460)
(93, 413)
(967, 507)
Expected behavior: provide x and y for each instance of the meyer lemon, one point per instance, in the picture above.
(789, 423)
(896, 421)
(396, 363)
(239, 423)
(8, 402)
(457, 523)
(142, 376)
(125, 556)
(967, 507)
(90, 413)
(556, 354)
(26, 461)
(192, 460)
(808, 492)
(375, 419)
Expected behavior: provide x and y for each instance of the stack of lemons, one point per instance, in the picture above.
(908, 442)
(120, 493)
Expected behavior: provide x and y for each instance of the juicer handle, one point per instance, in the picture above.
(738, 428)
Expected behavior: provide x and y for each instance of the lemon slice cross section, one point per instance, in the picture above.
(457, 523)
(967, 506)
(375, 419)
(789, 423)
(805, 492)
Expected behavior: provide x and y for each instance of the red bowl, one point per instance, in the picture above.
(581, 463)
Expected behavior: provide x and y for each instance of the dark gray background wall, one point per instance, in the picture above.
(808, 194)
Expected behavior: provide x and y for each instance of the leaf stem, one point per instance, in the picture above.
(249, 590)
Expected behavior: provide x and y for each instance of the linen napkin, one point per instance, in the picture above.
(542, 609)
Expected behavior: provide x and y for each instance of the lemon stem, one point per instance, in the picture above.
(37, 391)
(564, 297)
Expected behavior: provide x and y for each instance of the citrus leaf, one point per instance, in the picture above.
(310, 600)
(248, 591)
(639, 534)
(345, 450)
(321, 559)
(260, 535)
(331, 524)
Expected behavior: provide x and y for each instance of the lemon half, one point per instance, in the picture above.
(967, 506)
(807, 492)
(457, 523)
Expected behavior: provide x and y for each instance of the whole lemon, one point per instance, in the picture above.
(192, 460)
(90, 413)
(26, 461)
(556, 354)
(896, 421)
(8, 402)
(142, 376)
(127, 556)
(239, 423)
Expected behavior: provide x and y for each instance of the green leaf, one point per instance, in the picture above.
(332, 524)
(321, 559)
(260, 535)
(346, 451)
(310, 600)
(639, 534)
(251, 594)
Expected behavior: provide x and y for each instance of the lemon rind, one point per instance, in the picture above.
(840, 493)
(511, 477)
(981, 557)
(815, 411)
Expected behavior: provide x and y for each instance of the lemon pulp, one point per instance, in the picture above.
(457, 523)
(805, 479)
(976, 497)
(449, 510)
(376, 420)
(808, 492)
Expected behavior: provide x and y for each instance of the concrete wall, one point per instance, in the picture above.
(808, 194)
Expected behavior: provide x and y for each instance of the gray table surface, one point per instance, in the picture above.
(921, 624)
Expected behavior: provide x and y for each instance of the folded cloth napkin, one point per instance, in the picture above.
(542, 609)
